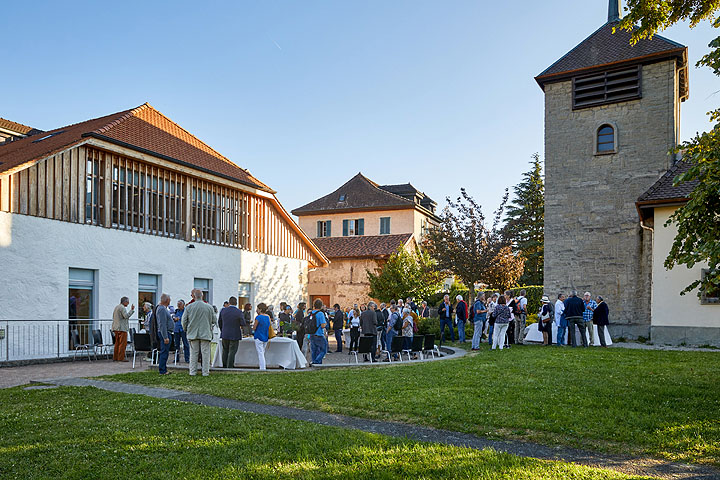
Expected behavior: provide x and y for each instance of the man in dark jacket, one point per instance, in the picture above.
(600, 318)
(574, 308)
(299, 327)
(461, 314)
(230, 322)
(381, 321)
(337, 324)
(368, 325)
(445, 311)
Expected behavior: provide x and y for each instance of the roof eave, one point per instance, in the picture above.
(644, 207)
(329, 211)
(680, 52)
(175, 160)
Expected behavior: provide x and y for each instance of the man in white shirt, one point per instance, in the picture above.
(560, 321)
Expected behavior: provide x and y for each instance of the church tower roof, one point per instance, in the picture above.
(604, 49)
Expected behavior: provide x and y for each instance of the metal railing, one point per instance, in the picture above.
(46, 339)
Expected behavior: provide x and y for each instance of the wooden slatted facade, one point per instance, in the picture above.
(89, 185)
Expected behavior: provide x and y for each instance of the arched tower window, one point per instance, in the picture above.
(605, 141)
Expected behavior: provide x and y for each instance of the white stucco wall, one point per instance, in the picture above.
(669, 308)
(36, 254)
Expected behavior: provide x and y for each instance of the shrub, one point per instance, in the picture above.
(534, 296)
(456, 289)
(431, 326)
(532, 318)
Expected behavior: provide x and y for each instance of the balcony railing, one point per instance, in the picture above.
(47, 339)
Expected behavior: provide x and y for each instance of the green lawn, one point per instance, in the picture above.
(84, 433)
(617, 400)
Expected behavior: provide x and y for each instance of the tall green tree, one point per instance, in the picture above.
(471, 250)
(405, 274)
(525, 222)
(698, 221)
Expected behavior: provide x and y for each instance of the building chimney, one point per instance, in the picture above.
(614, 11)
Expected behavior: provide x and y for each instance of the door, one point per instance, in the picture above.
(325, 299)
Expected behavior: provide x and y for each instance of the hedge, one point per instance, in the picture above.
(534, 296)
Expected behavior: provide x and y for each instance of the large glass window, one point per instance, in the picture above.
(204, 284)
(94, 185)
(148, 289)
(709, 296)
(244, 294)
(385, 226)
(81, 302)
(80, 293)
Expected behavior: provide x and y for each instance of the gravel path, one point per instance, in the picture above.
(626, 464)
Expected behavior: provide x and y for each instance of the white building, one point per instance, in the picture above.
(676, 319)
(131, 204)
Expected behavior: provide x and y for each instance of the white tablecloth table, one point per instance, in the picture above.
(280, 352)
(532, 334)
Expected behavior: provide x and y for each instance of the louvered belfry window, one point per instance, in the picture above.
(607, 87)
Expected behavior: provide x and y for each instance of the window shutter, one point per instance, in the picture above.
(607, 87)
(345, 228)
(361, 227)
(328, 232)
(319, 229)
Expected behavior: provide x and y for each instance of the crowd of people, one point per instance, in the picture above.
(498, 317)
(503, 317)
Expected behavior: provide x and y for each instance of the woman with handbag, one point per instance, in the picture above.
(545, 320)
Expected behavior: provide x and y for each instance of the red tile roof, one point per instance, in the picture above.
(142, 128)
(361, 246)
(357, 193)
(17, 127)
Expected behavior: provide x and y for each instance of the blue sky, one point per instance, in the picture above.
(307, 93)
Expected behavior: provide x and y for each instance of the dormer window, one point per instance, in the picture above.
(607, 87)
(342, 198)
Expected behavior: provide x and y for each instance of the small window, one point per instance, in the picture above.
(342, 198)
(709, 297)
(205, 286)
(605, 139)
(324, 228)
(353, 227)
(385, 226)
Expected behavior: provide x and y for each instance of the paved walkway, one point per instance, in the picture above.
(627, 464)
(21, 375)
(652, 346)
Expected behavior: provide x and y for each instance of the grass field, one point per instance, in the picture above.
(660, 403)
(85, 433)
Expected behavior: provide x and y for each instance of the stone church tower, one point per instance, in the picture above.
(612, 113)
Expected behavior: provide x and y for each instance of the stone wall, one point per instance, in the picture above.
(593, 237)
(345, 280)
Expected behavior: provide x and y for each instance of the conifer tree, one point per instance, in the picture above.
(525, 218)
